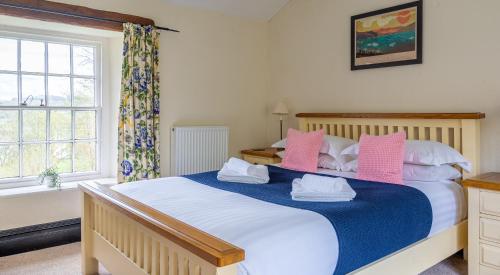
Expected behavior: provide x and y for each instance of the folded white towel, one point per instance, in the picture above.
(236, 170)
(319, 199)
(321, 189)
(259, 171)
(238, 165)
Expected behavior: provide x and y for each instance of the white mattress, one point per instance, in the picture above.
(264, 230)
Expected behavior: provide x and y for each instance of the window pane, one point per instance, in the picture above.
(34, 128)
(9, 123)
(33, 159)
(8, 89)
(32, 56)
(85, 157)
(9, 161)
(84, 92)
(59, 59)
(33, 85)
(83, 60)
(85, 124)
(60, 125)
(60, 157)
(8, 54)
(59, 91)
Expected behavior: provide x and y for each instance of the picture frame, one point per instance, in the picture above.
(387, 37)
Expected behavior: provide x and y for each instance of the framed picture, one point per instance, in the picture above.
(387, 37)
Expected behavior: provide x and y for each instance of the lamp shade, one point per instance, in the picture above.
(280, 109)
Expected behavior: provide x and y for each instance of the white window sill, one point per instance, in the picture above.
(37, 189)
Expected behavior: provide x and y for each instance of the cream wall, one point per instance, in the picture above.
(225, 70)
(38, 208)
(35, 205)
(214, 72)
(310, 65)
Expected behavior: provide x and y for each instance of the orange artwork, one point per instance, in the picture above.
(386, 37)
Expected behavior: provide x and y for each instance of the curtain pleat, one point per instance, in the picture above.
(139, 119)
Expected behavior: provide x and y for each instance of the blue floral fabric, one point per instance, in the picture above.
(139, 121)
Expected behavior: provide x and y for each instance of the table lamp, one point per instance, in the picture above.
(281, 110)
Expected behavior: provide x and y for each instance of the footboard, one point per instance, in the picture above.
(128, 237)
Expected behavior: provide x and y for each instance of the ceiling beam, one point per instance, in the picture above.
(69, 14)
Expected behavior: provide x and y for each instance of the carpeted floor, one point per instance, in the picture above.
(65, 260)
(59, 260)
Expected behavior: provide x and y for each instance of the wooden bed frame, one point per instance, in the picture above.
(128, 237)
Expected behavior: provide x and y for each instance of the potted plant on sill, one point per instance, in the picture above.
(50, 178)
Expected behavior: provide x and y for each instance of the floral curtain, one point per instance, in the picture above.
(139, 120)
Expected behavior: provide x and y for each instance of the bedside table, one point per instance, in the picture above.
(484, 224)
(261, 156)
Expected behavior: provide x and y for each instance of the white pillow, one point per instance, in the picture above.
(280, 144)
(352, 150)
(351, 166)
(332, 145)
(281, 154)
(434, 153)
(328, 162)
(417, 172)
(430, 173)
(424, 152)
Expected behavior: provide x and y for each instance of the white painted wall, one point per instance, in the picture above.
(49, 206)
(212, 73)
(228, 71)
(38, 208)
(310, 65)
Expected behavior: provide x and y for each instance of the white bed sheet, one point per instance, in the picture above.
(447, 199)
(264, 230)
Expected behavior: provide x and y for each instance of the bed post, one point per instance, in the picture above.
(471, 148)
(89, 263)
(303, 124)
(471, 151)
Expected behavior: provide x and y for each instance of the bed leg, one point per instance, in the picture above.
(227, 270)
(90, 265)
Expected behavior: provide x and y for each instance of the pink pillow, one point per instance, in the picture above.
(381, 158)
(302, 150)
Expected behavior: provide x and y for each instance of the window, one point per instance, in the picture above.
(49, 107)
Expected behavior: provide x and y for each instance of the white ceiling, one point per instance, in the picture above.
(254, 9)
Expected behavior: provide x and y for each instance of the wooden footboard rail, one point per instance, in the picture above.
(129, 237)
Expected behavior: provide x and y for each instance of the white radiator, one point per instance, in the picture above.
(198, 149)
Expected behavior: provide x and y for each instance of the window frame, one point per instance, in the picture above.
(21, 180)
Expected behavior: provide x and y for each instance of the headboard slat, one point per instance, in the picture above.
(445, 136)
(433, 133)
(421, 133)
(411, 133)
(355, 132)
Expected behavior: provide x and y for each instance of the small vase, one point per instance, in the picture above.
(49, 182)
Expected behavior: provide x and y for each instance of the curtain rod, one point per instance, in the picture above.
(75, 15)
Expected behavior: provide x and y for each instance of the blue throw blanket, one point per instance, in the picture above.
(382, 219)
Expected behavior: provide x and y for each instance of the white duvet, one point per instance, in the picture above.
(265, 230)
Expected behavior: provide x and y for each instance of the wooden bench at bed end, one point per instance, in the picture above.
(129, 237)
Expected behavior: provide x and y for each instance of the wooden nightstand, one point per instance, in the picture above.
(261, 156)
(484, 224)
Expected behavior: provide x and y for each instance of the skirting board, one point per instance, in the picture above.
(34, 237)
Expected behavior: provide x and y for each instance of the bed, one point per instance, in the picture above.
(176, 226)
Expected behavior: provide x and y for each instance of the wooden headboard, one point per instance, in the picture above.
(458, 130)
